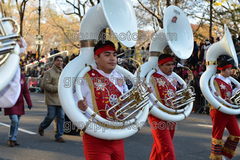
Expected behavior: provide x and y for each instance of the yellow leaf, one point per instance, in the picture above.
(217, 3)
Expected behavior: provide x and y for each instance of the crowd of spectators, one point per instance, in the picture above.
(34, 69)
(37, 69)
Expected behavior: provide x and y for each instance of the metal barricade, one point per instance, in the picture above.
(34, 84)
(204, 106)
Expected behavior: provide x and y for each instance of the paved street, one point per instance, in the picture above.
(192, 139)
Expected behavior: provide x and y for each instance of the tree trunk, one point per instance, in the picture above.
(168, 3)
(177, 2)
(210, 29)
(21, 23)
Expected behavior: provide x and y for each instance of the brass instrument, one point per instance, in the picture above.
(9, 50)
(183, 96)
(8, 41)
(236, 98)
(135, 99)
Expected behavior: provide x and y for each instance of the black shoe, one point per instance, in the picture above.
(61, 140)
(40, 131)
(16, 143)
(10, 143)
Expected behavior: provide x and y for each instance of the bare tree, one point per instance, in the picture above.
(65, 34)
(79, 8)
(226, 12)
(198, 12)
(21, 9)
(154, 9)
(5, 7)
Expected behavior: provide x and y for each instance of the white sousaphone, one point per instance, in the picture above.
(223, 47)
(9, 56)
(9, 51)
(119, 16)
(177, 33)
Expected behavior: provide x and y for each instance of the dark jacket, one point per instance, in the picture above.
(18, 108)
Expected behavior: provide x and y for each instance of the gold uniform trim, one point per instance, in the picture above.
(157, 54)
(91, 87)
(14, 52)
(208, 63)
(87, 43)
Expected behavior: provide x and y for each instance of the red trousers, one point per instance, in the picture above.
(162, 132)
(99, 149)
(220, 121)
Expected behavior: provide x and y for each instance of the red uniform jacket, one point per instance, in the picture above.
(105, 93)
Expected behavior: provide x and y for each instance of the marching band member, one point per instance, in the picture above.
(17, 111)
(221, 120)
(164, 86)
(104, 86)
(9, 95)
(12, 96)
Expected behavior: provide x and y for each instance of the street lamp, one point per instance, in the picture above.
(39, 28)
(210, 29)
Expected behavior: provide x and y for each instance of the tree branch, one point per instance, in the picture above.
(200, 24)
(17, 6)
(64, 33)
(151, 12)
(92, 3)
(158, 6)
(72, 4)
(70, 13)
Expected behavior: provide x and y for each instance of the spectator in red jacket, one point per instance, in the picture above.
(16, 111)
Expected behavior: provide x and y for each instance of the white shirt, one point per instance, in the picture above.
(86, 92)
(24, 45)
